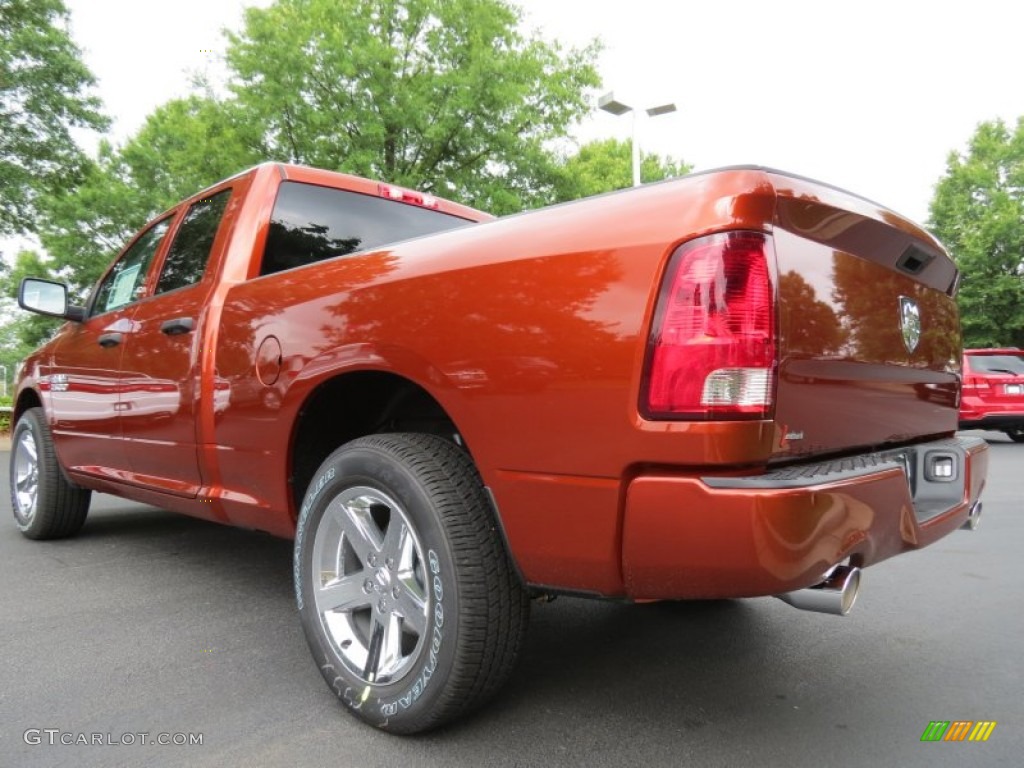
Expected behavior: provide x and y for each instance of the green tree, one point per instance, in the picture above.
(604, 165)
(183, 146)
(188, 144)
(24, 332)
(978, 212)
(43, 95)
(446, 96)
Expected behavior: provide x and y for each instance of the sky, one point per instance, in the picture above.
(869, 96)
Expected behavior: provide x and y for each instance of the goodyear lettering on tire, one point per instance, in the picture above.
(390, 708)
(315, 490)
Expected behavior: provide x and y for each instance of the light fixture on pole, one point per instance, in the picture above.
(613, 106)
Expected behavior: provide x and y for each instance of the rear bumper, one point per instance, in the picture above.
(991, 413)
(686, 537)
(990, 420)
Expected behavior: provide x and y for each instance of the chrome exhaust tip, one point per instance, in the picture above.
(836, 594)
(973, 517)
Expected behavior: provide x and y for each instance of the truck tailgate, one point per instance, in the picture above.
(868, 329)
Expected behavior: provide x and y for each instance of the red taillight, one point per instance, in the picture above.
(711, 352)
(407, 196)
(975, 382)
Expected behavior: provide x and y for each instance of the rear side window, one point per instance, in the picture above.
(188, 254)
(311, 223)
(997, 363)
(125, 281)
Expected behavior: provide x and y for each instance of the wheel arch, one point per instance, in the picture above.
(355, 404)
(27, 398)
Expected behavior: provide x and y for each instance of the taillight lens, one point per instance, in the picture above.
(976, 382)
(712, 352)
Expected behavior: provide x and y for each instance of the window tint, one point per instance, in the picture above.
(311, 223)
(190, 250)
(125, 280)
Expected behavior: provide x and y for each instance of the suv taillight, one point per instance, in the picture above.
(711, 351)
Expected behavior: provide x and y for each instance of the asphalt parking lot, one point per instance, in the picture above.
(153, 623)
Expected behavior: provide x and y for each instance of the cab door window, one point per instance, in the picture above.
(126, 280)
(190, 250)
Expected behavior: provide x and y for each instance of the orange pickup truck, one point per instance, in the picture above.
(735, 384)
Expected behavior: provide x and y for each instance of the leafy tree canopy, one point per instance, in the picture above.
(43, 95)
(978, 212)
(605, 165)
(25, 332)
(184, 146)
(447, 96)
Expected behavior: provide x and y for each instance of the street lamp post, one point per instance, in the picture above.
(613, 106)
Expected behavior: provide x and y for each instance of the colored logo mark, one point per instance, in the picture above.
(958, 730)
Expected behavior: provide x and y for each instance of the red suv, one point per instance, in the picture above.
(993, 391)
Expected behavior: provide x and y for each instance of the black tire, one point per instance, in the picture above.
(1017, 435)
(440, 581)
(46, 504)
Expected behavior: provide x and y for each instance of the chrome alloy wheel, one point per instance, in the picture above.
(369, 584)
(25, 477)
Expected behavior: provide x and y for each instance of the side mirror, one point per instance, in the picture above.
(46, 297)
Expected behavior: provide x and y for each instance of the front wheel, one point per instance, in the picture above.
(46, 504)
(406, 594)
(1017, 435)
